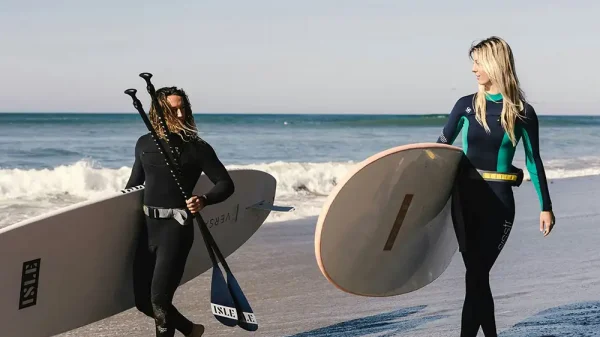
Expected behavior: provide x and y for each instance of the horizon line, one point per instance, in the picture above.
(273, 113)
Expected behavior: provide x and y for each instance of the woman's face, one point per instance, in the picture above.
(480, 74)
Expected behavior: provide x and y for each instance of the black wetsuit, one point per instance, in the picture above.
(487, 208)
(164, 244)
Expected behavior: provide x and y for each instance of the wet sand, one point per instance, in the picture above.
(542, 286)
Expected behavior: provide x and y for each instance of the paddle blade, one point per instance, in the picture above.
(246, 317)
(221, 302)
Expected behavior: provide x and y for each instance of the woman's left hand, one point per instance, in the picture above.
(546, 222)
(195, 204)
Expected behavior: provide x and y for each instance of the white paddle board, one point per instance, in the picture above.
(73, 266)
(386, 229)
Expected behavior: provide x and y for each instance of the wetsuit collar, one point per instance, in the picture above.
(493, 97)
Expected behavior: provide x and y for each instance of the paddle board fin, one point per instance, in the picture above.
(270, 207)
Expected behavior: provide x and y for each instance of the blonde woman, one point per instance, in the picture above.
(493, 121)
(166, 239)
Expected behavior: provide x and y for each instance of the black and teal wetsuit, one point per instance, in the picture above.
(485, 210)
(494, 151)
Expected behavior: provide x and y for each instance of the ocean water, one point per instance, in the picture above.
(48, 161)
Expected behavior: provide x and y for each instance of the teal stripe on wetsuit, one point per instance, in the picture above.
(495, 151)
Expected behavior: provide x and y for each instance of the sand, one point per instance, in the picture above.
(542, 286)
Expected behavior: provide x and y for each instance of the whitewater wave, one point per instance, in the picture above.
(25, 193)
(81, 179)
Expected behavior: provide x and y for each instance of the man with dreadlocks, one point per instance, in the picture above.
(165, 240)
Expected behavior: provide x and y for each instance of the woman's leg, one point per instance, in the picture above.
(478, 309)
(489, 213)
(498, 220)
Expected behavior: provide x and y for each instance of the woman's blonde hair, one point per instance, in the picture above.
(186, 128)
(495, 57)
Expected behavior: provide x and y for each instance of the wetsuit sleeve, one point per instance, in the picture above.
(535, 167)
(137, 176)
(217, 173)
(453, 125)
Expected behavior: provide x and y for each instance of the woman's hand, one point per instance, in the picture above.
(195, 204)
(546, 222)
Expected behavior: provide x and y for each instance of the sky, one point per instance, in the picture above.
(282, 56)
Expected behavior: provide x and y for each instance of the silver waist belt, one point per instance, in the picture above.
(166, 213)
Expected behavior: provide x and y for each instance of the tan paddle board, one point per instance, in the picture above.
(386, 229)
